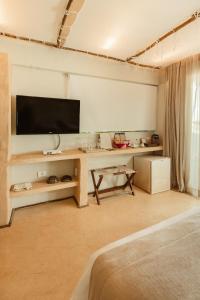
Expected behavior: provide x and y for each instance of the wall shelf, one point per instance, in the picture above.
(42, 187)
(79, 183)
(37, 157)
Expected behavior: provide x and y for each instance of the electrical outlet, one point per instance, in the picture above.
(41, 173)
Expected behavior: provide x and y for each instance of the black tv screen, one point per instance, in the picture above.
(39, 115)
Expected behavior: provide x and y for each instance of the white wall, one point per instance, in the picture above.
(29, 54)
(110, 105)
(42, 71)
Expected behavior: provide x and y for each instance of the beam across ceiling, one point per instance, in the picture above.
(54, 45)
(194, 17)
(70, 15)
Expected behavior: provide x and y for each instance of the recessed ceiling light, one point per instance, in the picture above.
(109, 43)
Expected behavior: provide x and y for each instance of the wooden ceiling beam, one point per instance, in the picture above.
(166, 35)
(54, 45)
(26, 39)
(71, 11)
(59, 40)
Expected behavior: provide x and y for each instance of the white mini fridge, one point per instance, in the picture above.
(152, 173)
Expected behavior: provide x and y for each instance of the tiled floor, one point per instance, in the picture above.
(44, 252)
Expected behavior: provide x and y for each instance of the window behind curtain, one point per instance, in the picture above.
(194, 181)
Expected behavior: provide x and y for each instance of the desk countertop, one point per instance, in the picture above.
(124, 151)
(36, 157)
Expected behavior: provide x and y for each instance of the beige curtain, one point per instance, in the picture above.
(179, 94)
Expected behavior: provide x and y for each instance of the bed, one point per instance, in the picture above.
(160, 262)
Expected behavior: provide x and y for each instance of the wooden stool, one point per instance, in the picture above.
(116, 170)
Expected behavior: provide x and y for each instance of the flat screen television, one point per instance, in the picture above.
(39, 115)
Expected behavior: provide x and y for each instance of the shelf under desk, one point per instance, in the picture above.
(42, 187)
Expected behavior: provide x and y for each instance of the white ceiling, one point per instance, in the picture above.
(38, 19)
(178, 46)
(128, 26)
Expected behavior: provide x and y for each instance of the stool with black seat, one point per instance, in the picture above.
(115, 170)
